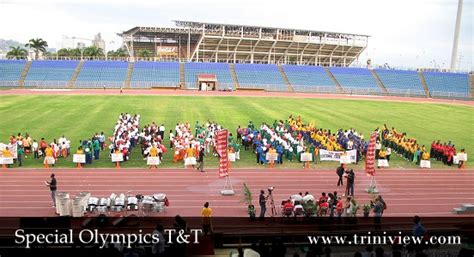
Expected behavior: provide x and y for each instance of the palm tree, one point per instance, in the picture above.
(75, 52)
(144, 53)
(63, 52)
(93, 51)
(38, 44)
(120, 52)
(16, 53)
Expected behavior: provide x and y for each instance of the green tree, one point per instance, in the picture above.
(16, 53)
(93, 51)
(38, 45)
(63, 52)
(121, 53)
(144, 53)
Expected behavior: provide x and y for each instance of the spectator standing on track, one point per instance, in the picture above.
(350, 182)
(340, 173)
(200, 160)
(52, 184)
(263, 204)
(206, 219)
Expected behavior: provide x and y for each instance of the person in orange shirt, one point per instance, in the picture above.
(190, 155)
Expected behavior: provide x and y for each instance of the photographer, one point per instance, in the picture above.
(263, 202)
(350, 175)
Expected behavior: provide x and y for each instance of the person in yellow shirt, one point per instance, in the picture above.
(79, 150)
(382, 154)
(6, 153)
(272, 151)
(48, 156)
(154, 151)
(425, 156)
(190, 155)
(206, 219)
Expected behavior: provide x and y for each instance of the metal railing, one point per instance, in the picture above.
(9, 83)
(99, 84)
(46, 84)
(444, 94)
(150, 84)
(405, 92)
(314, 89)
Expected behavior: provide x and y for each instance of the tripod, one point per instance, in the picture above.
(272, 204)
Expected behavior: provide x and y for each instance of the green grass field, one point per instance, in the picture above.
(79, 117)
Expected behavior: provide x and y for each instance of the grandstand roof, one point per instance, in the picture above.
(199, 41)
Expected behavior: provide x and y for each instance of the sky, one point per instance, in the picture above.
(403, 33)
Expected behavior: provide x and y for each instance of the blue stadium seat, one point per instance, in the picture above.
(260, 76)
(155, 74)
(309, 78)
(447, 84)
(358, 80)
(96, 74)
(221, 70)
(10, 72)
(401, 82)
(50, 73)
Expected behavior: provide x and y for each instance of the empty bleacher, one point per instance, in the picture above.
(10, 72)
(444, 84)
(260, 76)
(305, 78)
(401, 82)
(221, 70)
(96, 74)
(155, 74)
(50, 73)
(356, 80)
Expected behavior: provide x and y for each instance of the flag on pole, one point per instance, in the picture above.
(221, 143)
(370, 155)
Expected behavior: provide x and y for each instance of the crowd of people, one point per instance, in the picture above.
(125, 135)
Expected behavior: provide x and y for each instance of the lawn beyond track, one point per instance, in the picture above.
(80, 116)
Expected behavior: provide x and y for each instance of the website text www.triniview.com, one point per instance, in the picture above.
(384, 239)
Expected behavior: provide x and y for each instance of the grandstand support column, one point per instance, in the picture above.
(72, 82)
(24, 73)
(454, 54)
(379, 81)
(336, 83)
(233, 74)
(285, 78)
(131, 65)
(423, 82)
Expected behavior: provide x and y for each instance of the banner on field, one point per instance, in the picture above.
(370, 155)
(152, 161)
(325, 155)
(79, 158)
(12, 148)
(117, 157)
(221, 142)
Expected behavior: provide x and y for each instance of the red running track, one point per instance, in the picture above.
(238, 93)
(407, 192)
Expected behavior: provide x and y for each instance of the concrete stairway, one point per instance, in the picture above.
(379, 82)
(285, 78)
(466, 208)
(423, 82)
(338, 86)
(233, 74)
(72, 81)
(182, 78)
(24, 73)
(131, 65)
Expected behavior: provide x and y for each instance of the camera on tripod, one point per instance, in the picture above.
(270, 190)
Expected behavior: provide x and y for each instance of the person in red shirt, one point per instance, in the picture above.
(323, 207)
(323, 197)
(339, 207)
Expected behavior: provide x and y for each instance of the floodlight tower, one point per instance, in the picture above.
(454, 54)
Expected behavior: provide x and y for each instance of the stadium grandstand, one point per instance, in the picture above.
(211, 42)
